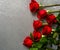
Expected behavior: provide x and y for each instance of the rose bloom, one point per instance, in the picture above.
(28, 42)
(37, 24)
(34, 6)
(41, 14)
(36, 36)
(46, 30)
(51, 19)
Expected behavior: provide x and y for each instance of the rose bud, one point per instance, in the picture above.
(28, 42)
(36, 36)
(37, 24)
(34, 6)
(46, 30)
(41, 14)
(51, 19)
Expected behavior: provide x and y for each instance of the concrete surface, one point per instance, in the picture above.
(16, 22)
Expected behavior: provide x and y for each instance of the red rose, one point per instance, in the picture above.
(32, 0)
(28, 42)
(37, 24)
(46, 30)
(51, 19)
(41, 14)
(34, 6)
(37, 36)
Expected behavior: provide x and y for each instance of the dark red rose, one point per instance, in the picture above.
(51, 19)
(33, 0)
(28, 42)
(46, 30)
(34, 6)
(37, 36)
(41, 14)
(37, 24)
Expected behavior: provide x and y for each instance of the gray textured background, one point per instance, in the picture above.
(16, 22)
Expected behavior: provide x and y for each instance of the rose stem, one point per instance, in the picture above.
(43, 6)
(55, 11)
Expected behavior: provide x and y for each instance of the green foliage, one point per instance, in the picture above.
(55, 42)
(38, 45)
(33, 48)
(43, 40)
(58, 17)
(55, 35)
(52, 39)
(31, 35)
(58, 29)
(49, 49)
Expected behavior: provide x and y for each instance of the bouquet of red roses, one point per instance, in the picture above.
(44, 34)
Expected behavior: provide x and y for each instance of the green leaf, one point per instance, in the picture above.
(58, 29)
(33, 48)
(37, 44)
(58, 17)
(49, 49)
(55, 42)
(55, 35)
(43, 40)
(31, 35)
(50, 40)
